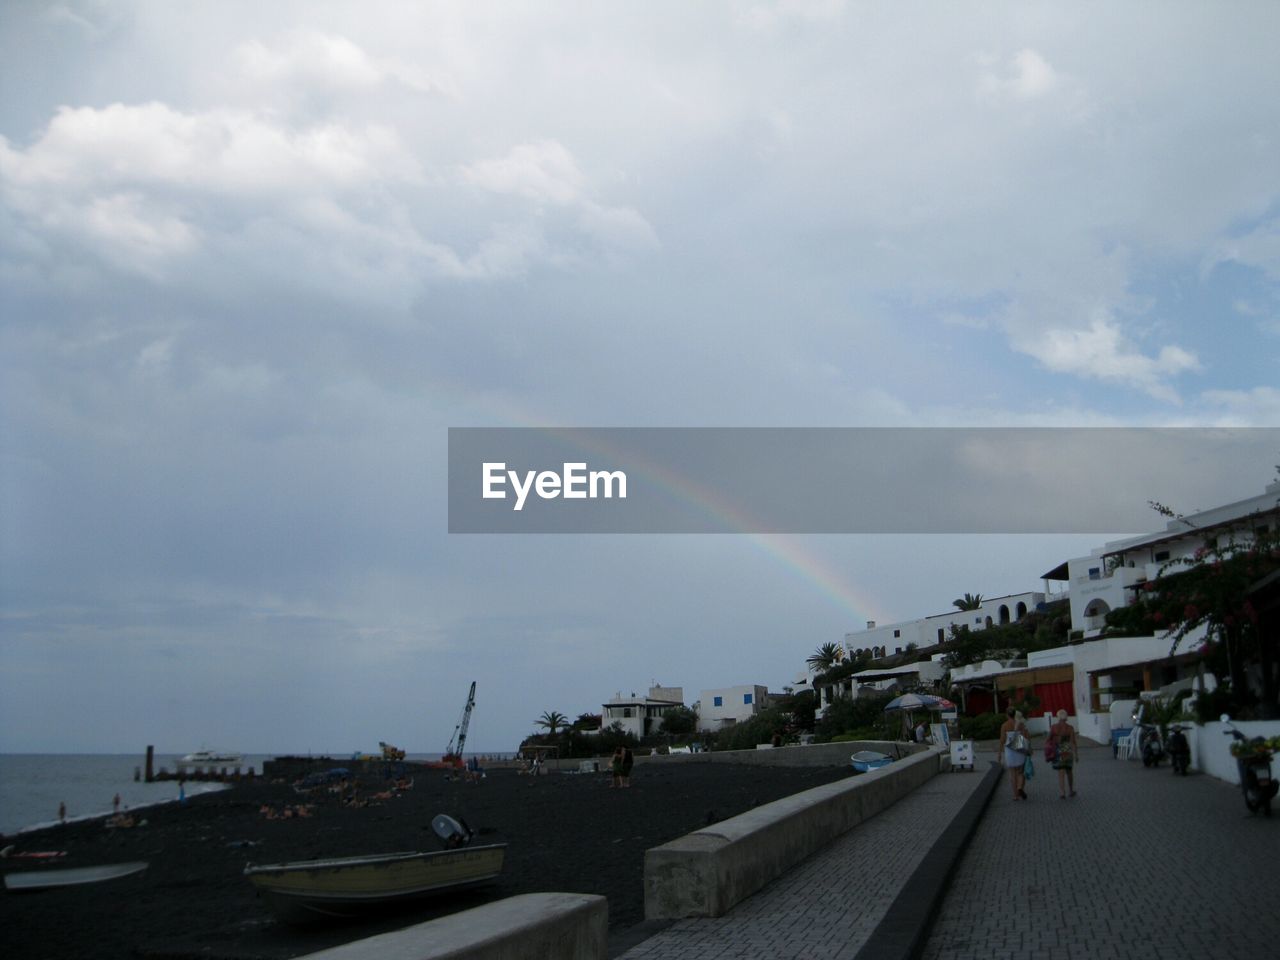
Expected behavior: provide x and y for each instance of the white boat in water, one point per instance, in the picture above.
(349, 886)
(213, 757)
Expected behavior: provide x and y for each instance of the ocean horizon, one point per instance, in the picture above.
(33, 785)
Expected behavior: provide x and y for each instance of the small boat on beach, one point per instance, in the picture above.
(350, 886)
(32, 880)
(865, 760)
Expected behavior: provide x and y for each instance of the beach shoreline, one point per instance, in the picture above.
(571, 833)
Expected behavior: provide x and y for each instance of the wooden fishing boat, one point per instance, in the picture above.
(48, 879)
(865, 760)
(349, 886)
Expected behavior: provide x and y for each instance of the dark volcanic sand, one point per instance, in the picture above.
(566, 833)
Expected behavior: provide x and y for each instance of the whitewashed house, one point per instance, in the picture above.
(729, 705)
(641, 716)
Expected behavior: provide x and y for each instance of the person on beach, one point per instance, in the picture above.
(1065, 754)
(628, 761)
(115, 803)
(62, 812)
(615, 768)
(1016, 748)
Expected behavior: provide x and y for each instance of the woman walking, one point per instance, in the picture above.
(1064, 759)
(1017, 747)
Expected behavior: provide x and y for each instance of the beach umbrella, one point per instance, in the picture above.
(919, 701)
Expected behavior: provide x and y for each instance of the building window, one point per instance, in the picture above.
(746, 698)
(718, 701)
(1095, 573)
(626, 711)
(897, 634)
(1162, 556)
(941, 636)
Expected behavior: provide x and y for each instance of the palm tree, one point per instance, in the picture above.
(970, 601)
(551, 721)
(826, 657)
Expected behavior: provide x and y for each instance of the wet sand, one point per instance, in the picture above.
(565, 832)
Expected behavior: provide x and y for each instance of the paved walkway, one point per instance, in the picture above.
(828, 905)
(1140, 864)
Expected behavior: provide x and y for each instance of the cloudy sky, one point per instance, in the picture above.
(256, 259)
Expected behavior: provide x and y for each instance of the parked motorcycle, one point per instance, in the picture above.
(1150, 745)
(1253, 760)
(1179, 751)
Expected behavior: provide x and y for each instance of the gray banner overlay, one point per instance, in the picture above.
(847, 480)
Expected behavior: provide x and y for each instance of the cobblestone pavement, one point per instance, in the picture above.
(828, 905)
(1139, 864)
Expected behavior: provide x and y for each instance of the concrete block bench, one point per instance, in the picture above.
(532, 926)
(704, 873)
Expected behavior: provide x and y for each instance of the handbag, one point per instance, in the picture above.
(1051, 751)
(1028, 769)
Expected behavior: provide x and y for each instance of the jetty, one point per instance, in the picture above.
(203, 772)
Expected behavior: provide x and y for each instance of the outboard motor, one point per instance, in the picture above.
(452, 833)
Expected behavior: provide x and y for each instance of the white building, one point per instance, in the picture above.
(1111, 575)
(720, 708)
(641, 716)
(1089, 677)
(929, 631)
(921, 675)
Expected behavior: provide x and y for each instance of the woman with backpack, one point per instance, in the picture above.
(1062, 737)
(1017, 748)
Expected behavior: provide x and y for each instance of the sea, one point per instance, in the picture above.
(33, 785)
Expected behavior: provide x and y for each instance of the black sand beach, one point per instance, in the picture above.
(566, 832)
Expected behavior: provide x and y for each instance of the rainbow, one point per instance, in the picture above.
(787, 550)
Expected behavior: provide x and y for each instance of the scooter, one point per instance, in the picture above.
(1179, 751)
(1152, 748)
(1253, 760)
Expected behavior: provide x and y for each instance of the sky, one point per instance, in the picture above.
(255, 260)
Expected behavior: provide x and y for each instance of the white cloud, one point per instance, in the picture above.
(1102, 352)
(1259, 248)
(310, 60)
(225, 151)
(543, 171)
(1259, 407)
(546, 173)
(769, 16)
(1027, 75)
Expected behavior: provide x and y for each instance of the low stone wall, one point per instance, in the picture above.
(532, 926)
(704, 873)
(796, 755)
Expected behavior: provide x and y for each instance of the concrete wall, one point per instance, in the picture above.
(794, 755)
(704, 873)
(533, 926)
(1211, 746)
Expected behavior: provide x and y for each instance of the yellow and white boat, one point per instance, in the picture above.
(348, 886)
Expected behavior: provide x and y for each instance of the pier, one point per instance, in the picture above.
(202, 772)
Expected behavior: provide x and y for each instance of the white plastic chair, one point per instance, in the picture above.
(1127, 746)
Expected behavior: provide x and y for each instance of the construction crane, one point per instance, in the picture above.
(453, 754)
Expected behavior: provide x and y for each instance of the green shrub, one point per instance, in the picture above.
(985, 726)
